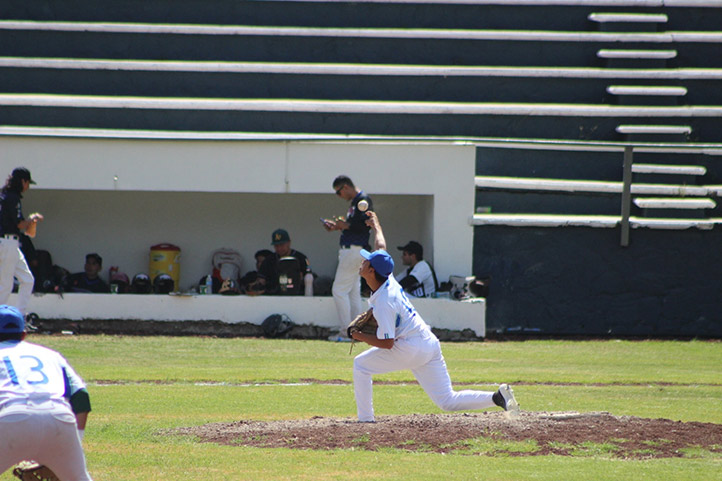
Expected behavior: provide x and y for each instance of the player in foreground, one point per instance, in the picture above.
(43, 404)
(404, 341)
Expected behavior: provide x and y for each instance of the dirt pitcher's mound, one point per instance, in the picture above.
(532, 433)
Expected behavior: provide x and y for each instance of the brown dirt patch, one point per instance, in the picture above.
(489, 433)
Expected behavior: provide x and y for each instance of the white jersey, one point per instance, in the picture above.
(35, 376)
(396, 317)
(422, 272)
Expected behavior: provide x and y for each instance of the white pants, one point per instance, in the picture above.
(13, 264)
(44, 437)
(347, 286)
(422, 355)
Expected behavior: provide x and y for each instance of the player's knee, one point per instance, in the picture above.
(446, 403)
(358, 366)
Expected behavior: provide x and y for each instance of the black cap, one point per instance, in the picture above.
(23, 174)
(280, 236)
(413, 247)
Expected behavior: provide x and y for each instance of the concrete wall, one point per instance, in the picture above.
(317, 311)
(580, 281)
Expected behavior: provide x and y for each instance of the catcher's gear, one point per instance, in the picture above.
(32, 471)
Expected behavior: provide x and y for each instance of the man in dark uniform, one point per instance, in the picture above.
(283, 272)
(12, 224)
(89, 281)
(354, 237)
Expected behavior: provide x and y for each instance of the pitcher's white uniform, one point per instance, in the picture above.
(415, 348)
(36, 420)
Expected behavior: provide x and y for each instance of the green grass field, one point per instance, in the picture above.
(141, 385)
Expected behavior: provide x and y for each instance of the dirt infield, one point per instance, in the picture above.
(489, 433)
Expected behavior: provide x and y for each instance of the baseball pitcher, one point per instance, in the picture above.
(404, 341)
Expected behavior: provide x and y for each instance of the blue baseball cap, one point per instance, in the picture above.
(380, 260)
(11, 320)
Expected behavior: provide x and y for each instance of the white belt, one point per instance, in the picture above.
(43, 404)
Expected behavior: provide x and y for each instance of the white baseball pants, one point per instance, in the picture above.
(13, 264)
(45, 437)
(346, 288)
(422, 355)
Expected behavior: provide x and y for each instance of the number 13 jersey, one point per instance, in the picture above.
(35, 377)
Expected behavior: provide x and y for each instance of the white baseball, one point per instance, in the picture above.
(362, 205)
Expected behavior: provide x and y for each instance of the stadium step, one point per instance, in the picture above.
(647, 94)
(598, 221)
(669, 169)
(673, 203)
(673, 91)
(340, 45)
(591, 186)
(567, 15)
(335, 116)
(331, 81)
(625, 58)
(628, 22)
(340, 81)
(637, 54)
(673, 207)
(663, 173)
(655, 133)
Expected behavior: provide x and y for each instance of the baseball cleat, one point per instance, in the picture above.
(509, 402)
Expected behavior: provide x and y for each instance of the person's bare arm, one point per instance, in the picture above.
(373, 222)
(30, 225)
(81, 419)
(372, 340)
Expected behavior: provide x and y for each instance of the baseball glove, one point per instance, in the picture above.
(32, 471)
(364, 322)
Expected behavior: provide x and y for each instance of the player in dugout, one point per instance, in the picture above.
(404, 341)
(283, 272)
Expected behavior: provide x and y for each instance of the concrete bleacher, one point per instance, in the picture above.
(658, 190)
(463, 14)
(357, 81)
(503, 71)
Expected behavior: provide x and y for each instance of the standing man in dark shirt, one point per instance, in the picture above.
(282, 272)
(89, 281)
(12, 224)
(354, 237)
